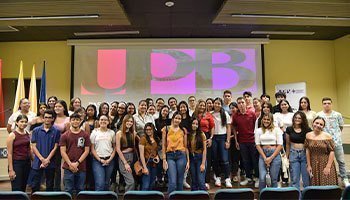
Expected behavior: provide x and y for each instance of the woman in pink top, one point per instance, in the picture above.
(62, 124)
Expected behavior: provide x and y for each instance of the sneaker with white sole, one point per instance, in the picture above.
(207, 186)
(186, 185)
(256, 184)
(228, 183)
(218, 182)
(246, 181)
(346, 182)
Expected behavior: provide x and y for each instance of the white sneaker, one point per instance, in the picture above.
(207, 186)
(256, 184)
(186, 185)
(218, 182)
(346, 182)
(228, 183)
(246, 181)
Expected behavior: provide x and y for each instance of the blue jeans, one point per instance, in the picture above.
(220, 153)
(102, 174)
(339, 156)
(73, 181)
(275, 166)
(149, 180)
(250, 157)
(197, 177)
(298, 165)
(176, 169)
(22, 169)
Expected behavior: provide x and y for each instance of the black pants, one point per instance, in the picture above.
(209, 161)
(234, 157)
(49, 175)
(58, 167)
(22, 169)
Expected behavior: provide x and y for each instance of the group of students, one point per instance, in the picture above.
(213, 136)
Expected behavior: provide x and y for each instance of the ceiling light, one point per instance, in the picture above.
(290, 17)
(107, 33)
(282, 33)
(50, 17)
(169, 4)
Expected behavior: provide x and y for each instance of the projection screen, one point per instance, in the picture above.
(131, 70)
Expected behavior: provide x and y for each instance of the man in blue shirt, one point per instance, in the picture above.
(45, 139)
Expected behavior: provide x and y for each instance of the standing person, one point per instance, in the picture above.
(334, 126)
(221, 143)
(269, 141)
(175, 153)
(74, 105)
(130, 109)
(227, 101)
(197, 149)
(91, 116)
(19, 154)
(102, 149)
(149, 157)
(103, 109)
(51, 101)
(279, 97)
(151, 110)
(320, 155)
(266, 108)
(118, 118)
(243, 124)
(295, 139)
(113, 111)
(191, 104)
(62, 124)
(162, 120)
(210, 104)
(45, 139)
(304, 105)
(185, 123)
(23, 109)
(159, 104)
(234, 153)
(39, 119)
(141, 118)
(265, 98)
(125, 145)
(247, 95)
(172, 102)
(206, 124)
(257, 107)
(75, 146)
(91, 120)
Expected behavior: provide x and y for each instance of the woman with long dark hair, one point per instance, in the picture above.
(304, 105)
(295, 139)
(175, 153)
(19, 154)
(149, 156)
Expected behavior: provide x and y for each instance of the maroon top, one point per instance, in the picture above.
(21, 146)
(244, 125)
(75, 147)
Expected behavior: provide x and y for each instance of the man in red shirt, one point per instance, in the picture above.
(243, 123)
(75, 146)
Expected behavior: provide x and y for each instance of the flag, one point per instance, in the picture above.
(20, 94)
(42, 98)
(32, 92)
(2, 111)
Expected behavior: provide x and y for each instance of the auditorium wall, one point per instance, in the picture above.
(286, 61)
(56, 54)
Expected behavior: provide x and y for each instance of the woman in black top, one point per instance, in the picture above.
(295, 138)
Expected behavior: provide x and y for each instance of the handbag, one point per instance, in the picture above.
(285, 164)
(138, 168)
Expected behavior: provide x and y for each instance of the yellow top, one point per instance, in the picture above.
(175, 140)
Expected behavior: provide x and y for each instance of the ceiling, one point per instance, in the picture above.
(328, 19)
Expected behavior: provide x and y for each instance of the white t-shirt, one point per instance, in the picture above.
(31, 115)
(141, 122)
(103, 141)
(286, 119)
(219, 129)
(269, 137)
